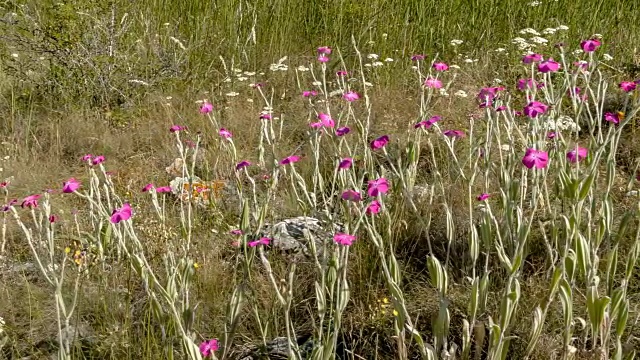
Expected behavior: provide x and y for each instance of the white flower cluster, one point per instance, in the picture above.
(562, 123)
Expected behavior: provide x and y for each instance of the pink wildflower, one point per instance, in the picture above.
(351, 96)
(344, 239)
(535, 108)
(537, 158)
(147, 187)
(225, 133)
(483, 197)
(614, 118)
(342, 131)
(326, 120)
(290, 160)
(454, 133)
(377, 187)
(380, 142)
(207, 348)
(373, 208)
(242, 164)
(31, 201)
(206, 108)
(177, 128)
(440, 66)
(324, 50)
(433, 83)
(627, 86)
(121, 214)
(577, 154)
(351, 195)
(531, 58)
(261, 241)
(309, 93)
(345, 163)
(98, 160)
(70, 186)
(590, 45)
(548, 66)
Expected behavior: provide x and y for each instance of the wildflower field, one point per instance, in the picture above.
(319, 180)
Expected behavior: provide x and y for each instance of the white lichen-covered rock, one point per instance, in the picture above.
(293, 235)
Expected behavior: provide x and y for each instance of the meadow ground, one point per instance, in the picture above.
(474, 166)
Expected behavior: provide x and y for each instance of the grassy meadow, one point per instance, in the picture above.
(474, 166)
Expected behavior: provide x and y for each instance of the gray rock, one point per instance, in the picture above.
(293, 235)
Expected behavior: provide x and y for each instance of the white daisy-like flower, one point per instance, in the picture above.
(456, 42)
(242, 78)
(249, 73)
(562, 27)
(377, 63)
(388, 60)
(232, 94)
(317, 83)
(500, 50)
(373, 56)
(549, 31)
(302, 68)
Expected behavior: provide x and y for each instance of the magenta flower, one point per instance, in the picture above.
(377, 187)
(417, 57)
(70, 186)
(345, 163)
(342, 131)
(380, 142)
(242, 164)
(428, 123)
(611, 117)
(53, 218)
(577, 154)
(373, 208)
(324, 50)
(147, 187)
(548, 66)
(433, 83)
(627, 86)
(316, 125)
(351, 195)
(501, 108)
(326, 120)
(537, 158)
(551, 135)
(163, 189)
(529, 84)
(590, 45)
(309, 93)
(225, 133)
(176, 128)
(207, 348)
(341, 73)
(206, 108)
(290, 160)
(121, 214)
(582, 65)
(98, 160)
(440, 66)
(535, 108)
(323, 58)
(344, 239)
(265, 116)
(489, 93)
(351, 96)
(483, 197)
(261, 241)
(31, 201)
(531, 58)
(454, 133)
(236, 232)
(87, 158)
